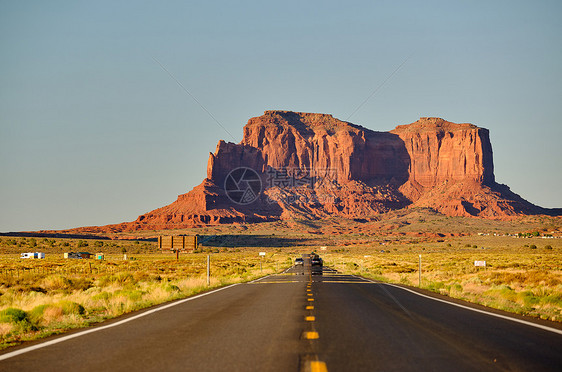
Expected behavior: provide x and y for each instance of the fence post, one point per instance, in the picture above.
(208, 270)
(419, 273)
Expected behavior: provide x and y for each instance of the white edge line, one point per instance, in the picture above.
(546, 328)
(96, 329)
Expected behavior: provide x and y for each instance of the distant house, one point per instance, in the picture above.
(78, 255)
(33, 255)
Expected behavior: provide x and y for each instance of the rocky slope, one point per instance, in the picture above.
(292, 164)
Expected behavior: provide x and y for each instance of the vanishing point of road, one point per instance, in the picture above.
(300, 322)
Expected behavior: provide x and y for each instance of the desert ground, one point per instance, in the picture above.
(40, 297)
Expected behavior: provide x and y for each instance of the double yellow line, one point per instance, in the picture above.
(311, 363)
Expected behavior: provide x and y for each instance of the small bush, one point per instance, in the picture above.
(103, 296)
(56, 282)
(532, 246)
(118, 278)
(36, 314)
(435, 286)
(12, 315)
(69, 307)
(548, 246)
(171, 288)
(134, 295)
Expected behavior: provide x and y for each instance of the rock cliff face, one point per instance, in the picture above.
(321, 142)
(314, 165)
(441, 151)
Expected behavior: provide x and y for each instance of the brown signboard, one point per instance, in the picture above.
(177, 243)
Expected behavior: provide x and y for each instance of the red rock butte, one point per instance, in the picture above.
(314, 165)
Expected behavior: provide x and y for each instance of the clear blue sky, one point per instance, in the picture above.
(93, 131)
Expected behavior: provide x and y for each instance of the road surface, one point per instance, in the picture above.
(296, 322)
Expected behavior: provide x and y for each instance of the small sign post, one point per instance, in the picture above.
(480, 263)
(262, 254)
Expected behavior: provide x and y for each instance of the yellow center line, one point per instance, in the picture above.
(310, 299)
(311, 335)
(318, 366)
(310, 318)
(309, 294)
(310, 307)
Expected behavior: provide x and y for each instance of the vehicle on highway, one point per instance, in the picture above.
(315, 260)
(299, 261)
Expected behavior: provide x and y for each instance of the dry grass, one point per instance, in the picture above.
(523, 275)
(56, 294)
(528, 284)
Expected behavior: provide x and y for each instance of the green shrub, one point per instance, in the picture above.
(529, 299)
(101, 296)
(69, 307)
(457, 287)
(132, 294)
(532, 246)
(12, 315)
(435, 286)
(36, 313)
(171, 288)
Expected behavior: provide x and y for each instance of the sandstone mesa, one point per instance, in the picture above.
(350, 171)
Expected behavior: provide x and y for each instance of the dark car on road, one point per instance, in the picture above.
(315, 260)
(299, 262)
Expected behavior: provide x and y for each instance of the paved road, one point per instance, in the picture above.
(295, 322)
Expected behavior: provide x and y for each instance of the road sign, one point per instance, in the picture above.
(479, 263)
(177, 243)
(262, 253)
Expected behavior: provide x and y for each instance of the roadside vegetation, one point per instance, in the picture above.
(528, 284)
(40, 297)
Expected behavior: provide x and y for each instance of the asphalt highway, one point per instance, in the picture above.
(300, 322)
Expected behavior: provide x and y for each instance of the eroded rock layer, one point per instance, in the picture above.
(314, 165)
